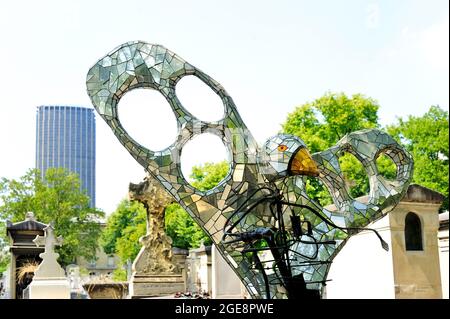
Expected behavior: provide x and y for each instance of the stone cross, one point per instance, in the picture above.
(49, 267)
(49, 280)
(48, 240)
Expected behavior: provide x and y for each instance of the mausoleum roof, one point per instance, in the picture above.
(415, 194)
(421, 194)
(30, 223)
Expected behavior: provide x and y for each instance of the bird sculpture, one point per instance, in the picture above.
(277, 240)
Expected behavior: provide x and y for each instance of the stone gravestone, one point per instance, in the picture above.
(154, 273)
(225, 282)
(49, 281)
(76, 289)
(198, 270)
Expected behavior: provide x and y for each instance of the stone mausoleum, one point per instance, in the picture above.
(416, 263)
(23, 250)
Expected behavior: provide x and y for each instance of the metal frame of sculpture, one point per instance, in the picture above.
(262, 203)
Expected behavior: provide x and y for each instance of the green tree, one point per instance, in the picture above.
(208, 175)
(329, 118)
(323, 122)
(127, 224)
(426, 138)
(121, 235)
(123, 229)
(54, 198)
(183, 230)
(4, 260)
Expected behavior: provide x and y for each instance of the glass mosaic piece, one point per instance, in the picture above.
(278, 241)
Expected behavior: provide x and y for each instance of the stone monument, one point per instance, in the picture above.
(23, 251)
(49, 281)
(154, 273)
(225, 283)
(198, 270)
(76, 289)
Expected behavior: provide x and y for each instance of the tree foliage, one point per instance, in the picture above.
(322, 123)
(127, 224)
(123, 229)
(56, 198)
(205, 177)
(426, 138)
(329, 118)
(183, 230)
(4, 260)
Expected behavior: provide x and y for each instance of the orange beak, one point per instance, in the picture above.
(303, 164)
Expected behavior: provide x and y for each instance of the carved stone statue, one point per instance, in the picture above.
(155, 256)
(155, 272)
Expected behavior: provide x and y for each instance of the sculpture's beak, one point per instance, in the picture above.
(302, 163)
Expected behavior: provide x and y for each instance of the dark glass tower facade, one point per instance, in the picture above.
(65, 137)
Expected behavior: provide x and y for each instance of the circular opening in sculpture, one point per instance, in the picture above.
(148, 118)
(386, 167)
(199, 99)
(355, 175)
(204, 161)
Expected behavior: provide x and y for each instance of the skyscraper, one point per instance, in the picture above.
(65, 137)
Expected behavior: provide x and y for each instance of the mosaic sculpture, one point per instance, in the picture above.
(262, 203)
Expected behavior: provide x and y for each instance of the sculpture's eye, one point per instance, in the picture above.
(282, 148)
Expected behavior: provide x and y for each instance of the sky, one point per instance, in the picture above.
(270, 56)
